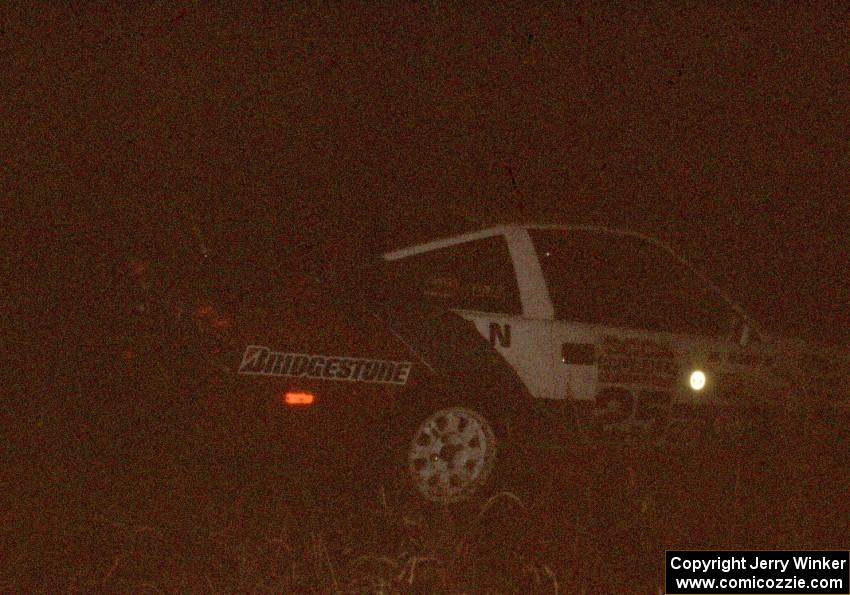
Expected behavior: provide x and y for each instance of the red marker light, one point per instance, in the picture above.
(220, 323)
(203, 311)
(299, 398)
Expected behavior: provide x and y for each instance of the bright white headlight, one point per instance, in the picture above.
(697, 380)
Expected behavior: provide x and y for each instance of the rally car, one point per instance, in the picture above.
(449, 353)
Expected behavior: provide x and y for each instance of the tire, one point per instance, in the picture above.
(450, 455)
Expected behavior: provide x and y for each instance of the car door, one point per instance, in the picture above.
(638, 337)
(476, 279)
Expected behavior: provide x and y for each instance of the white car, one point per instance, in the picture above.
(617, 329)
(448, 353)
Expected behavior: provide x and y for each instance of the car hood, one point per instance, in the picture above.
(816, 371)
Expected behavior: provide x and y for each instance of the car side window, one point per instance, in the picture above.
(476, 275)
(697, 308)
(625, 281)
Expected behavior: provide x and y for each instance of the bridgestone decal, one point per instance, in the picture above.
(262, 361)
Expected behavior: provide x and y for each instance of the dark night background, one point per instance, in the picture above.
(343, 130)
(326, 134)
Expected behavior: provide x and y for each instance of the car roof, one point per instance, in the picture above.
(504, 228)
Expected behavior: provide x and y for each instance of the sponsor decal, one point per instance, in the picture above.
(262, 361)
(636, 361)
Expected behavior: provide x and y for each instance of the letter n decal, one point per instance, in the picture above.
(500, 333)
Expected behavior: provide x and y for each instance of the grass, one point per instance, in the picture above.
(125, 503)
